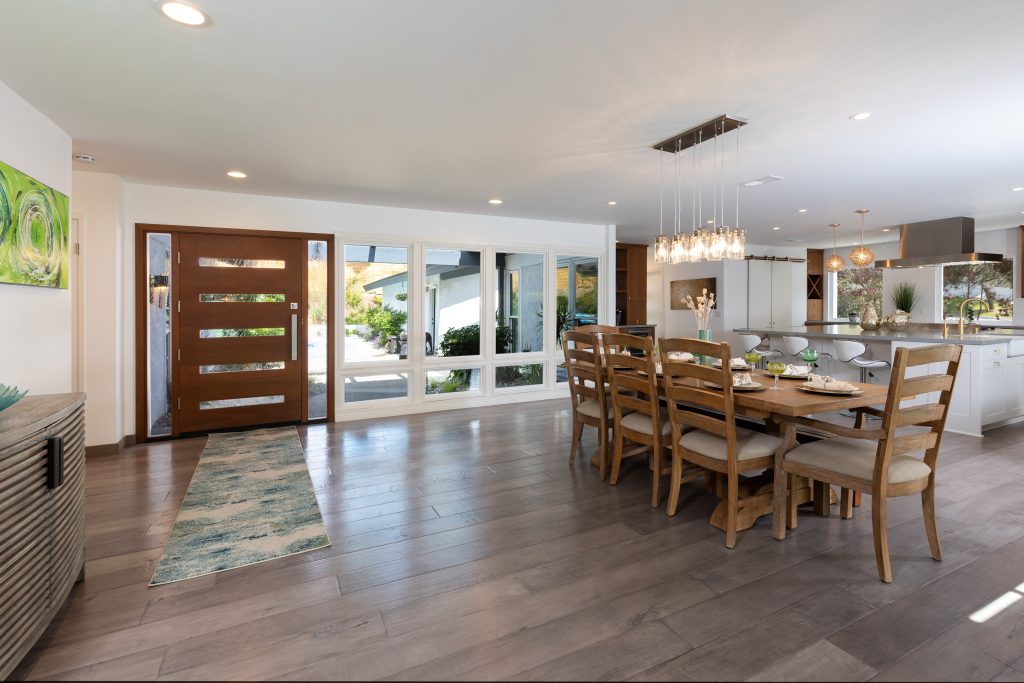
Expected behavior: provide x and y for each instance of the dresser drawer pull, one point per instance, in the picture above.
(54, 462)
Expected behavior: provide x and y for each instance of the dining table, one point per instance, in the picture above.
(772, 406)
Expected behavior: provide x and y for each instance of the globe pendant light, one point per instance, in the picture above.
(861, 255)
(834, 263)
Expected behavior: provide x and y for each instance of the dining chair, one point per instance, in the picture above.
(715, 443)
(596, 329)
(879, 461)
(590, 402)
(638, 416)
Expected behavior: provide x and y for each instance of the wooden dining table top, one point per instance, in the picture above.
(793, 402)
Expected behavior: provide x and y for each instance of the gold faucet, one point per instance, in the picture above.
(963, 303)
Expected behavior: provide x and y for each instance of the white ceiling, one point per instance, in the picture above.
(548, 104)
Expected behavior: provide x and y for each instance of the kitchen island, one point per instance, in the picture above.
(989, 390)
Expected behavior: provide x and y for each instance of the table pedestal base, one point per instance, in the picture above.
(756, 499)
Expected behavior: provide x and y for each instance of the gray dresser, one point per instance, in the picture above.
(42, 516)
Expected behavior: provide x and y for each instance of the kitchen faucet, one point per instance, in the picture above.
(960, 324)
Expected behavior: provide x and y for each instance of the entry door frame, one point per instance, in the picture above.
(142, 230)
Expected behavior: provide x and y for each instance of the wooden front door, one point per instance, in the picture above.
(240, 330)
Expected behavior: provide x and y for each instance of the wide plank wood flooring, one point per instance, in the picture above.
(464, 547)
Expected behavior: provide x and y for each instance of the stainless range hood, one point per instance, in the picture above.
(943, 242)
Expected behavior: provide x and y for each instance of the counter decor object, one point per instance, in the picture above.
(898, 321)
(9, 396)
(868, 318)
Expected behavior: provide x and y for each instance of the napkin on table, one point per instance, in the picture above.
(826, 382)
(796, 370)
(683, 356)
(740, 379)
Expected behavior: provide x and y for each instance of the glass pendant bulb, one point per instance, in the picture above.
(662, 246)
(834, 263)
(862, 255)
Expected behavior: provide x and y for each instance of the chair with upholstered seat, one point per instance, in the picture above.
(879, 461)
(590, 402)
(638, 416)
(596, 329)
(715, 443)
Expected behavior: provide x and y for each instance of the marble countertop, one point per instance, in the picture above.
(855, 332)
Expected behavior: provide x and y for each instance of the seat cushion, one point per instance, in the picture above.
(639, 422)
(590, 408)
(856, 458)
(749, 444)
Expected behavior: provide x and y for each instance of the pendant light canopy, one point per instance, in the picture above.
(861, 255)
(834, 263)
(700, 244)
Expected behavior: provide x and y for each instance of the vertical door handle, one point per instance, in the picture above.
(295, 336)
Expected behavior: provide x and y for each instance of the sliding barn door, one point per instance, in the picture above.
(241, 332)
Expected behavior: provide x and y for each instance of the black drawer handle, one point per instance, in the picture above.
(54, 462)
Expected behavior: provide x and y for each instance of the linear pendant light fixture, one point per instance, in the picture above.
(834, 263)
(701, 244)
(861, 255)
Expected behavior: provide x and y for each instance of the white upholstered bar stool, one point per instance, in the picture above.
(750, 342)
(852, 353)
(794, 345)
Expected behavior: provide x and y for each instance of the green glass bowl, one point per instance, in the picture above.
(9, 396)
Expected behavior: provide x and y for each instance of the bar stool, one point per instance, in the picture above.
(750, 342)
(852, 352)
(794, 345)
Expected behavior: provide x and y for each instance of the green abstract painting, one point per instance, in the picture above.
(33, 231)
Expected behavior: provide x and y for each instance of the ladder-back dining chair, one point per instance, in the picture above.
(591, 406)
(715, 442)
(638, 416)
(880, 461)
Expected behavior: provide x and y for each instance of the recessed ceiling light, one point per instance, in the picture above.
(612, 203)
(1017, 189)
(763, 180)
(238, 174)
(85, 158)
(775, 227)
(183, 12)
(861, 115)
(886, 229)
(801, 210)
(495, 201)
(712, 222)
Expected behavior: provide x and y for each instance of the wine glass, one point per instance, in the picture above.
(776, 369)
(809, 355)
(752, 358)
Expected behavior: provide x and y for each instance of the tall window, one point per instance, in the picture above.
(519, 303)
(452, 302)
(376, 293)
(856, 288)
(576, 293)
(993, 282)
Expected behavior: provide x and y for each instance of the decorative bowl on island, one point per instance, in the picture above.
(9, 396)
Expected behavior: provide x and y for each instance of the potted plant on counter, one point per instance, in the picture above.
(904, 298)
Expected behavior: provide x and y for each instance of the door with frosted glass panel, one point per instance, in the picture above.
(240, 330)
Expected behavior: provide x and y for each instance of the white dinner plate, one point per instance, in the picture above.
(753, 386)
(833, 392)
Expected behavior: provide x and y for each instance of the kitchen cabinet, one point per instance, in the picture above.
(775, 293)
(631, 283)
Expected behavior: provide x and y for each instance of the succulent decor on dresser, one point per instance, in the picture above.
(33, 231)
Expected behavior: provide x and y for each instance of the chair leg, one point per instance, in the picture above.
(928, 504)
(791, 502)
(602, 452)
(613, 478)
(732, 497)
(656, 474)
(857, 499)
(675, 485)
(846, 503)
(577, 434)
(881, 534)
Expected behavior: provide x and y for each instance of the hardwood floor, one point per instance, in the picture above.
(464, 547)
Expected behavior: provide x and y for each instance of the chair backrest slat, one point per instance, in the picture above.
(913, 386)
(917, 415)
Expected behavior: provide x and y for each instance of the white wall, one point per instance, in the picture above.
(35, 340)
(136, 203)
(98, 202)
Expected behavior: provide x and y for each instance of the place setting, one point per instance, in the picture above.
(741, 381)
(823, 384)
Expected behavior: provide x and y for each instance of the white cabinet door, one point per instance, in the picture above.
(993, 391)
(1013, 388)
(783, 294)
(759, 294)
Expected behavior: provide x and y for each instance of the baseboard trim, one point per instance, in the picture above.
(110, 448)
